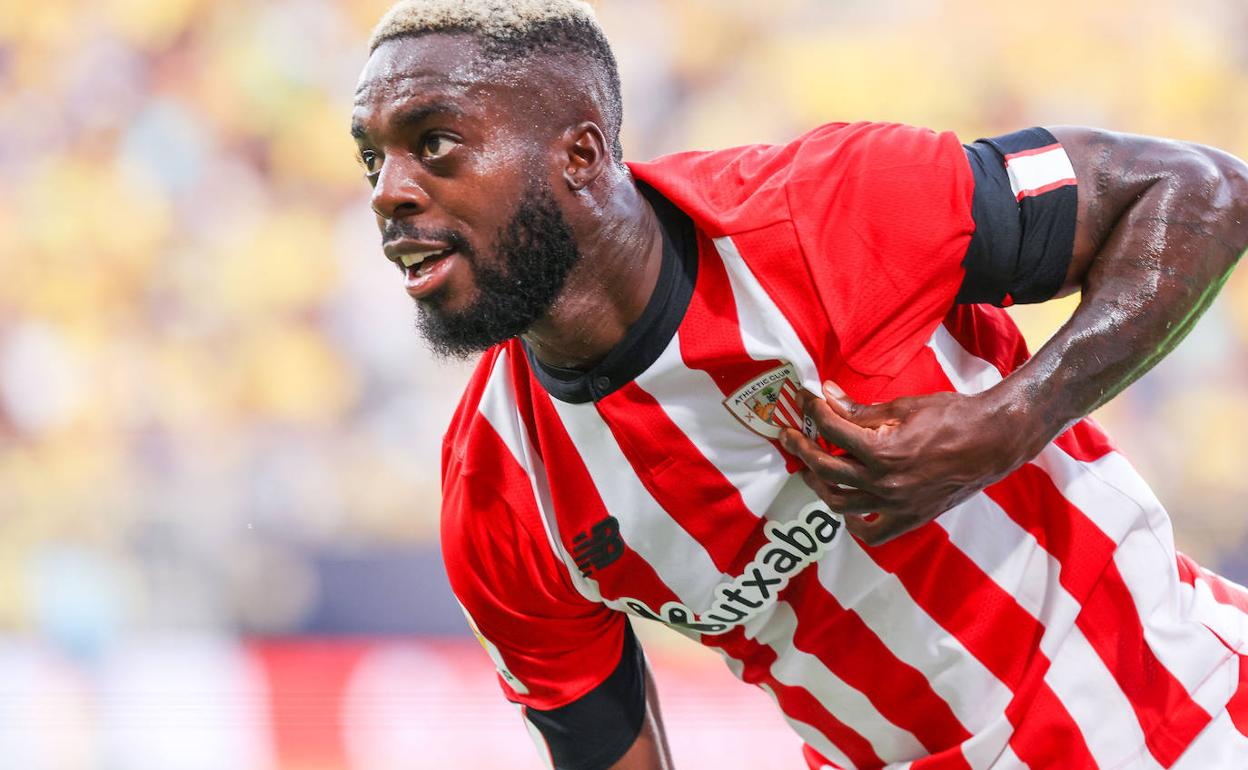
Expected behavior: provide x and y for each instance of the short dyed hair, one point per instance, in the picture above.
(509, 30)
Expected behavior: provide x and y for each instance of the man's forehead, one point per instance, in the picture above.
(417, 64)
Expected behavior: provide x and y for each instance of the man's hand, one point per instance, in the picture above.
(907, 460)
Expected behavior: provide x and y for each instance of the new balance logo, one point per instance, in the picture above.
(599, 547)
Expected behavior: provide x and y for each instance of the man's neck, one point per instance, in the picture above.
(622, 246)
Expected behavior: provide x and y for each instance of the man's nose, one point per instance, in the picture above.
(397, 192)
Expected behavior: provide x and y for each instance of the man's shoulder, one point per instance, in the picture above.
(751, 186)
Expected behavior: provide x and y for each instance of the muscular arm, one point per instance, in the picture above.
(1160, 226)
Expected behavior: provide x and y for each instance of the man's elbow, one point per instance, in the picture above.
(1235, 174)
(1221, 180)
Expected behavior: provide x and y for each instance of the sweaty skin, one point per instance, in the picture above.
(1161, 224)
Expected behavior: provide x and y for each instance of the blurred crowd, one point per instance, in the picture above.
(210, 385)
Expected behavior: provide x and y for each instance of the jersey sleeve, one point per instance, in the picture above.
(883, 215)
(572, 664)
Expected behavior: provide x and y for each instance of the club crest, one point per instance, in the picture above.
(769, 403)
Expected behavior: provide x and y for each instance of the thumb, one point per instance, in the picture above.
(863, 415)
(841, 403)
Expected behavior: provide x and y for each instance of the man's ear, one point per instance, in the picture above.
(583, 153)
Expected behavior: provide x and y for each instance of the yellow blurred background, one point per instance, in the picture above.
(216, 417)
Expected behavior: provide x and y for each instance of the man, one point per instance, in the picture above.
(763, 396)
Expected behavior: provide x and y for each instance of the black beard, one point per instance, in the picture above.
(536, 251)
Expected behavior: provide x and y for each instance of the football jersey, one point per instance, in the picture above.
(1046, 622)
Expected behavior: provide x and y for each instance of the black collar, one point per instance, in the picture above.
(649, 336)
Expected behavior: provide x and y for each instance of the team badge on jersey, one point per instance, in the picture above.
(769, 403)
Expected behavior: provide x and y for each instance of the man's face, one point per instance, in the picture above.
(461, 174)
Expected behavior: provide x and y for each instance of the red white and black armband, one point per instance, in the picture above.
(1024, 207)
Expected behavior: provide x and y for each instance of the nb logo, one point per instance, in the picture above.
(599, 547)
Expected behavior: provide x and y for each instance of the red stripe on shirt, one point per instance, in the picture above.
(815, 760)
(1045, 734)
(793, 291)
(1232, 595)
(577, 501)
(951, 588)
(988, 622)
(1085, 441)
(796, 702)
(988, 333)
(1237, 706)
(523, 386)
(710, 334)
(1030, 498)
(1224, 591)
(705, 503)
(1189, 570)
(899, 691)
(1109, 618)
(1171, 720)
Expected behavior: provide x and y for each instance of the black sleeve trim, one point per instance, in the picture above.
(596, 730)
(1021, 248)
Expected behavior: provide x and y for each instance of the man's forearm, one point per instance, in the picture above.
(1158, 268)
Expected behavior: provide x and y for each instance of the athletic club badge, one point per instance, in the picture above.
(769, 402)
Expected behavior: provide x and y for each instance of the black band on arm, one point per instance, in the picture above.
(594, 731)
(1024, 206)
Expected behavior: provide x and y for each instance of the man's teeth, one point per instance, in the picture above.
(416, 257)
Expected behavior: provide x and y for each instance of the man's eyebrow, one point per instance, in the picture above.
(411, 116)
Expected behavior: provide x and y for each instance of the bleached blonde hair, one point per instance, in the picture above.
(515, 29)
(490, 18)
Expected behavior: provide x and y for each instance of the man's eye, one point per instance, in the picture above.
(436, 147)
(370, 162)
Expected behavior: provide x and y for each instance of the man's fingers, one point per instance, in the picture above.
(860, 510)
(842, 500)
(841, 403)
(835, 425)
(828, 468)
(871, 530)
(862, 415)
(877, 529)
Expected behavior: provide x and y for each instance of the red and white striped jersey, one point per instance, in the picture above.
(1044, 623)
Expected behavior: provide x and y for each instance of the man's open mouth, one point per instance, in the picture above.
(419, 261)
